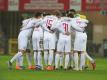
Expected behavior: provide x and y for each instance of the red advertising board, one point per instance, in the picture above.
(94, 5)
(3, 5)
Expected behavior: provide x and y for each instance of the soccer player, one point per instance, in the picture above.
(86, 54)
(37, 42)
(80, 45)
(24, 35)
(19, 61)
(49, 39)
(64, 43)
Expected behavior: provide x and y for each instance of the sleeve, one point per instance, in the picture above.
(43, 25)
(56, 26)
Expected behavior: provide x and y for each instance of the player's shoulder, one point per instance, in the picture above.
(65, 19)
(80, 19)
(25, 20)
(51, 17)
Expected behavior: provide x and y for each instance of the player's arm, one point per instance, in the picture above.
(56, 27)
(43, 25)
(75, 26)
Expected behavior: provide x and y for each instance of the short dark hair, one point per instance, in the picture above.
(37, 14)
(64, 13)
(72, 10)
(70, 15)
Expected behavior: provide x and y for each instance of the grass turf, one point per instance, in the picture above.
(99, 74)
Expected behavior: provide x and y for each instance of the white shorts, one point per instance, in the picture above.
(80, 42)
(23, 38)
(49, 40)
(64, 45)
(37, 40)
(29, 44)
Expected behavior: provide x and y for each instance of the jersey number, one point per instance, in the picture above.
(49, 24)
(65, 25)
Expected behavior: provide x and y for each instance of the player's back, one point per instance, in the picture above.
(49, 21)
(64, 23)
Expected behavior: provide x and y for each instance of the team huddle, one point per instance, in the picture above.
(58, 40)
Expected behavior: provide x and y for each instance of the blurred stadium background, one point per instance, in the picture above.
(13, 11)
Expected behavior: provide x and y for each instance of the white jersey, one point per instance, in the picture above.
(65, 25)
(79, 24)
(48, 21)
(31, 23)
(80, 37)
(76, 24)
(64, 42)
(49, 38)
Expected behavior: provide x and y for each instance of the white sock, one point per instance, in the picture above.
(39, 58)
(88, 57)
(56, 60)
(17, 62)
(72, 60)
(76, 60)
(29, 58)
(61, 59)
(16, 56)
(35, 57)
(82, 60)
(21, 60)
(66, 60)
(50, 59)
(46, 57)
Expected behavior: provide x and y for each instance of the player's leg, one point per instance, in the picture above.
(82, 60)
(19, 54)
(51, 52)
(46, 50)
(22, 44)
(34, 44)
(67, 47)
(57, 56)
(40, 48)
(39, 57)
(91, 60)
(17, 63)
(35, 57)
(61, 60)
(66, 61)
(83, 43)
(71, 63)
(51, 56)
(76, 60)
(26, 35)
(29, 59)
(88, 57)
(52, 43)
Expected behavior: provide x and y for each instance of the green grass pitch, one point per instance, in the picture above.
(99, 74)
